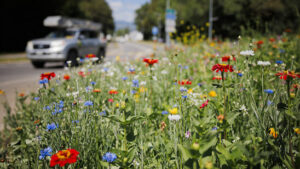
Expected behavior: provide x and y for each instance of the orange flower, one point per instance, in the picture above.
(259, 43)
(113, 92)
(273, 132)
(185, 82)
(150, 61)
(284, 75)
(96, 90)
(21, 94)
(47, 75)
(64, 157)
(220, 118)
(90, 55)
(67, 77)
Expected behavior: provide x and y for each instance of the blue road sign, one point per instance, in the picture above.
(154, 30)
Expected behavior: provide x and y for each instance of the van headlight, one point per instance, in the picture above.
(60, 43)
(29, 45)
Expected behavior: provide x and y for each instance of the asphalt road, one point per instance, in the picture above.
(17, 77)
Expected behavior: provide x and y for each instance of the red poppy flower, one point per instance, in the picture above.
(113, 92)
(47, 75)
(81, 73)
(227, 58)
(272, 40)
(259, 43)
(90, 56)
(150, 61)
(67, 77)
(284, 75)
(222, 68)
(204, 104)
(64, 157)
(184, 82)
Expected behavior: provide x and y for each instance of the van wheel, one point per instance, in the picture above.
(72, 56)
(101, 54)
(38, 64)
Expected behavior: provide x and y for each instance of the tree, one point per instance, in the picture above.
(264, 16)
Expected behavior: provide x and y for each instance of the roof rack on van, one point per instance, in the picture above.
(66, 22)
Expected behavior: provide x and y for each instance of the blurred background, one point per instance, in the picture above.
(22, 20)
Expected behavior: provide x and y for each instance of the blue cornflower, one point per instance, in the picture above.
(186, 67)
(183, 89)
(164, 112)
(89, 88)
(200, 84)
(214, 128)
(109, 157)
(131, 69)
(105, 69)
(75, 121)
(44, 153)
(135, 83)
(93, 83)
(133, 92)
(44, 81)
(36, 98)
(61, 104)
(279, 61)
(81, 60)
(184, 97)
(124, 78)
(281, 50)
(88, 103)
(269, 91)
(270, 103)
(103, 113)
(52, 126)
(240, 74)
(47, 108)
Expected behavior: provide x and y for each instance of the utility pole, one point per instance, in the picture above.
(167, 33)
(210, 19)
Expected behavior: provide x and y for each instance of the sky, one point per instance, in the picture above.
(124, 10)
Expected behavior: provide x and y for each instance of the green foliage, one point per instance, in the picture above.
(233, 16)
(122, 32)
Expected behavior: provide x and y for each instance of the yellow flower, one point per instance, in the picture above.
(212, 94)
(292, 95)
(1, 91)
(207, 24)
(137, 97)
(190, 91)
(142, 89)
(117, 58)
(173, 111)
(117, 105)
(273, 132)
(123, 104)
(297, 130)
(123, 91)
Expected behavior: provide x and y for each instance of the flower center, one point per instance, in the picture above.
(63, 155)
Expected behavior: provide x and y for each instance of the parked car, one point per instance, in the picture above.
(65, 44)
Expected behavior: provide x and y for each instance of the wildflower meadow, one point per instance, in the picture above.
(213, 104)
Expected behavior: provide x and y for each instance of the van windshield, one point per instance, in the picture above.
(61, 34)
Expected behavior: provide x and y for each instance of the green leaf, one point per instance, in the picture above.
(206, 146)
(185, 152)
(223, 151)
